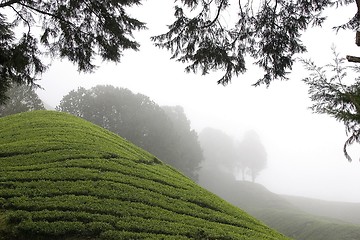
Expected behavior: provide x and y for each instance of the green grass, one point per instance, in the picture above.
(280, 214)
(345, 211)
(64, 178)
(303, 226)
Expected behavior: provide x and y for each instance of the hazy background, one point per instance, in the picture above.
(305, 155)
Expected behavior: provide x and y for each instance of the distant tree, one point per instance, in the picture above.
(252, 155)
(132, 116)
(22, 98)
(201, 35)
(217, 170)
(139, 120)
(268, 33)
(224, 156)
(187, 146)
(219, 151)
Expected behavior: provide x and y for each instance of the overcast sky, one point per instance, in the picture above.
(304, 150)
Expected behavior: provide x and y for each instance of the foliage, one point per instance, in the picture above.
(336, 95)
(219, 152)
(64, 178)
(267, 31)
(76, 30)
(187, 143)
(252, 155)
(22, 98)
(137, 118)
(224, 156)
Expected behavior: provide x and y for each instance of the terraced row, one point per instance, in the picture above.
(62, 177)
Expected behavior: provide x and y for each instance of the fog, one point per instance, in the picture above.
(304, 150)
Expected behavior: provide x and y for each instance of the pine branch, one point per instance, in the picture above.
(9, 3)
(45, 13)
(353, 59)
(217, 15)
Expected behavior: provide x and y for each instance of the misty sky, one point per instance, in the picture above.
(304, 150)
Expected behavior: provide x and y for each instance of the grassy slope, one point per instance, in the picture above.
(64, 178)
(283, 216)
(349, 212)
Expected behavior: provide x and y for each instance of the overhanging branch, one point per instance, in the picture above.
(353, 59)
(25, 20)
(217, 15)
(9, 3)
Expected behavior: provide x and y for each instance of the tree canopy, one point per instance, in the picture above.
(22, 98)
(334, 92)
(252, 155)
(165, 132)
(225, 156)
(76, 30)
(267, 31)
(189, 153)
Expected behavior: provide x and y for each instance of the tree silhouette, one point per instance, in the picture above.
(21, 99)
(135, 117)
(267, 31)
(334, 93)
(252, 155)
(76, 30)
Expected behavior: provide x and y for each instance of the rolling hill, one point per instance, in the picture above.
(291, 216)
(64, 178)
(344, 211)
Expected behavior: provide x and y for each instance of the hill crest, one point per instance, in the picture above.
(64, 178)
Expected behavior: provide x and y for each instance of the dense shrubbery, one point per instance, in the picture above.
(62, 177)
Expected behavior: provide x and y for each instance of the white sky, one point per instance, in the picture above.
(304, 150)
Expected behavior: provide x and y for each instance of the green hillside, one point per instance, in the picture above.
(345, 211)
(64, 178)
(282, 215)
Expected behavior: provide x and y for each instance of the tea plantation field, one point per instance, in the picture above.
(64, 178)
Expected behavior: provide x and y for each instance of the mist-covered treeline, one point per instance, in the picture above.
(231, 159)
(165, 132)
(21, 98)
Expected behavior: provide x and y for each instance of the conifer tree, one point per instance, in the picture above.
(75, 30)
(267, 31)
(334, 92)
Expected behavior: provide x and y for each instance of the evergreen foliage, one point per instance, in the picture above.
(76, 30)
(337, 95)
(267, 31)
(64, 178)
